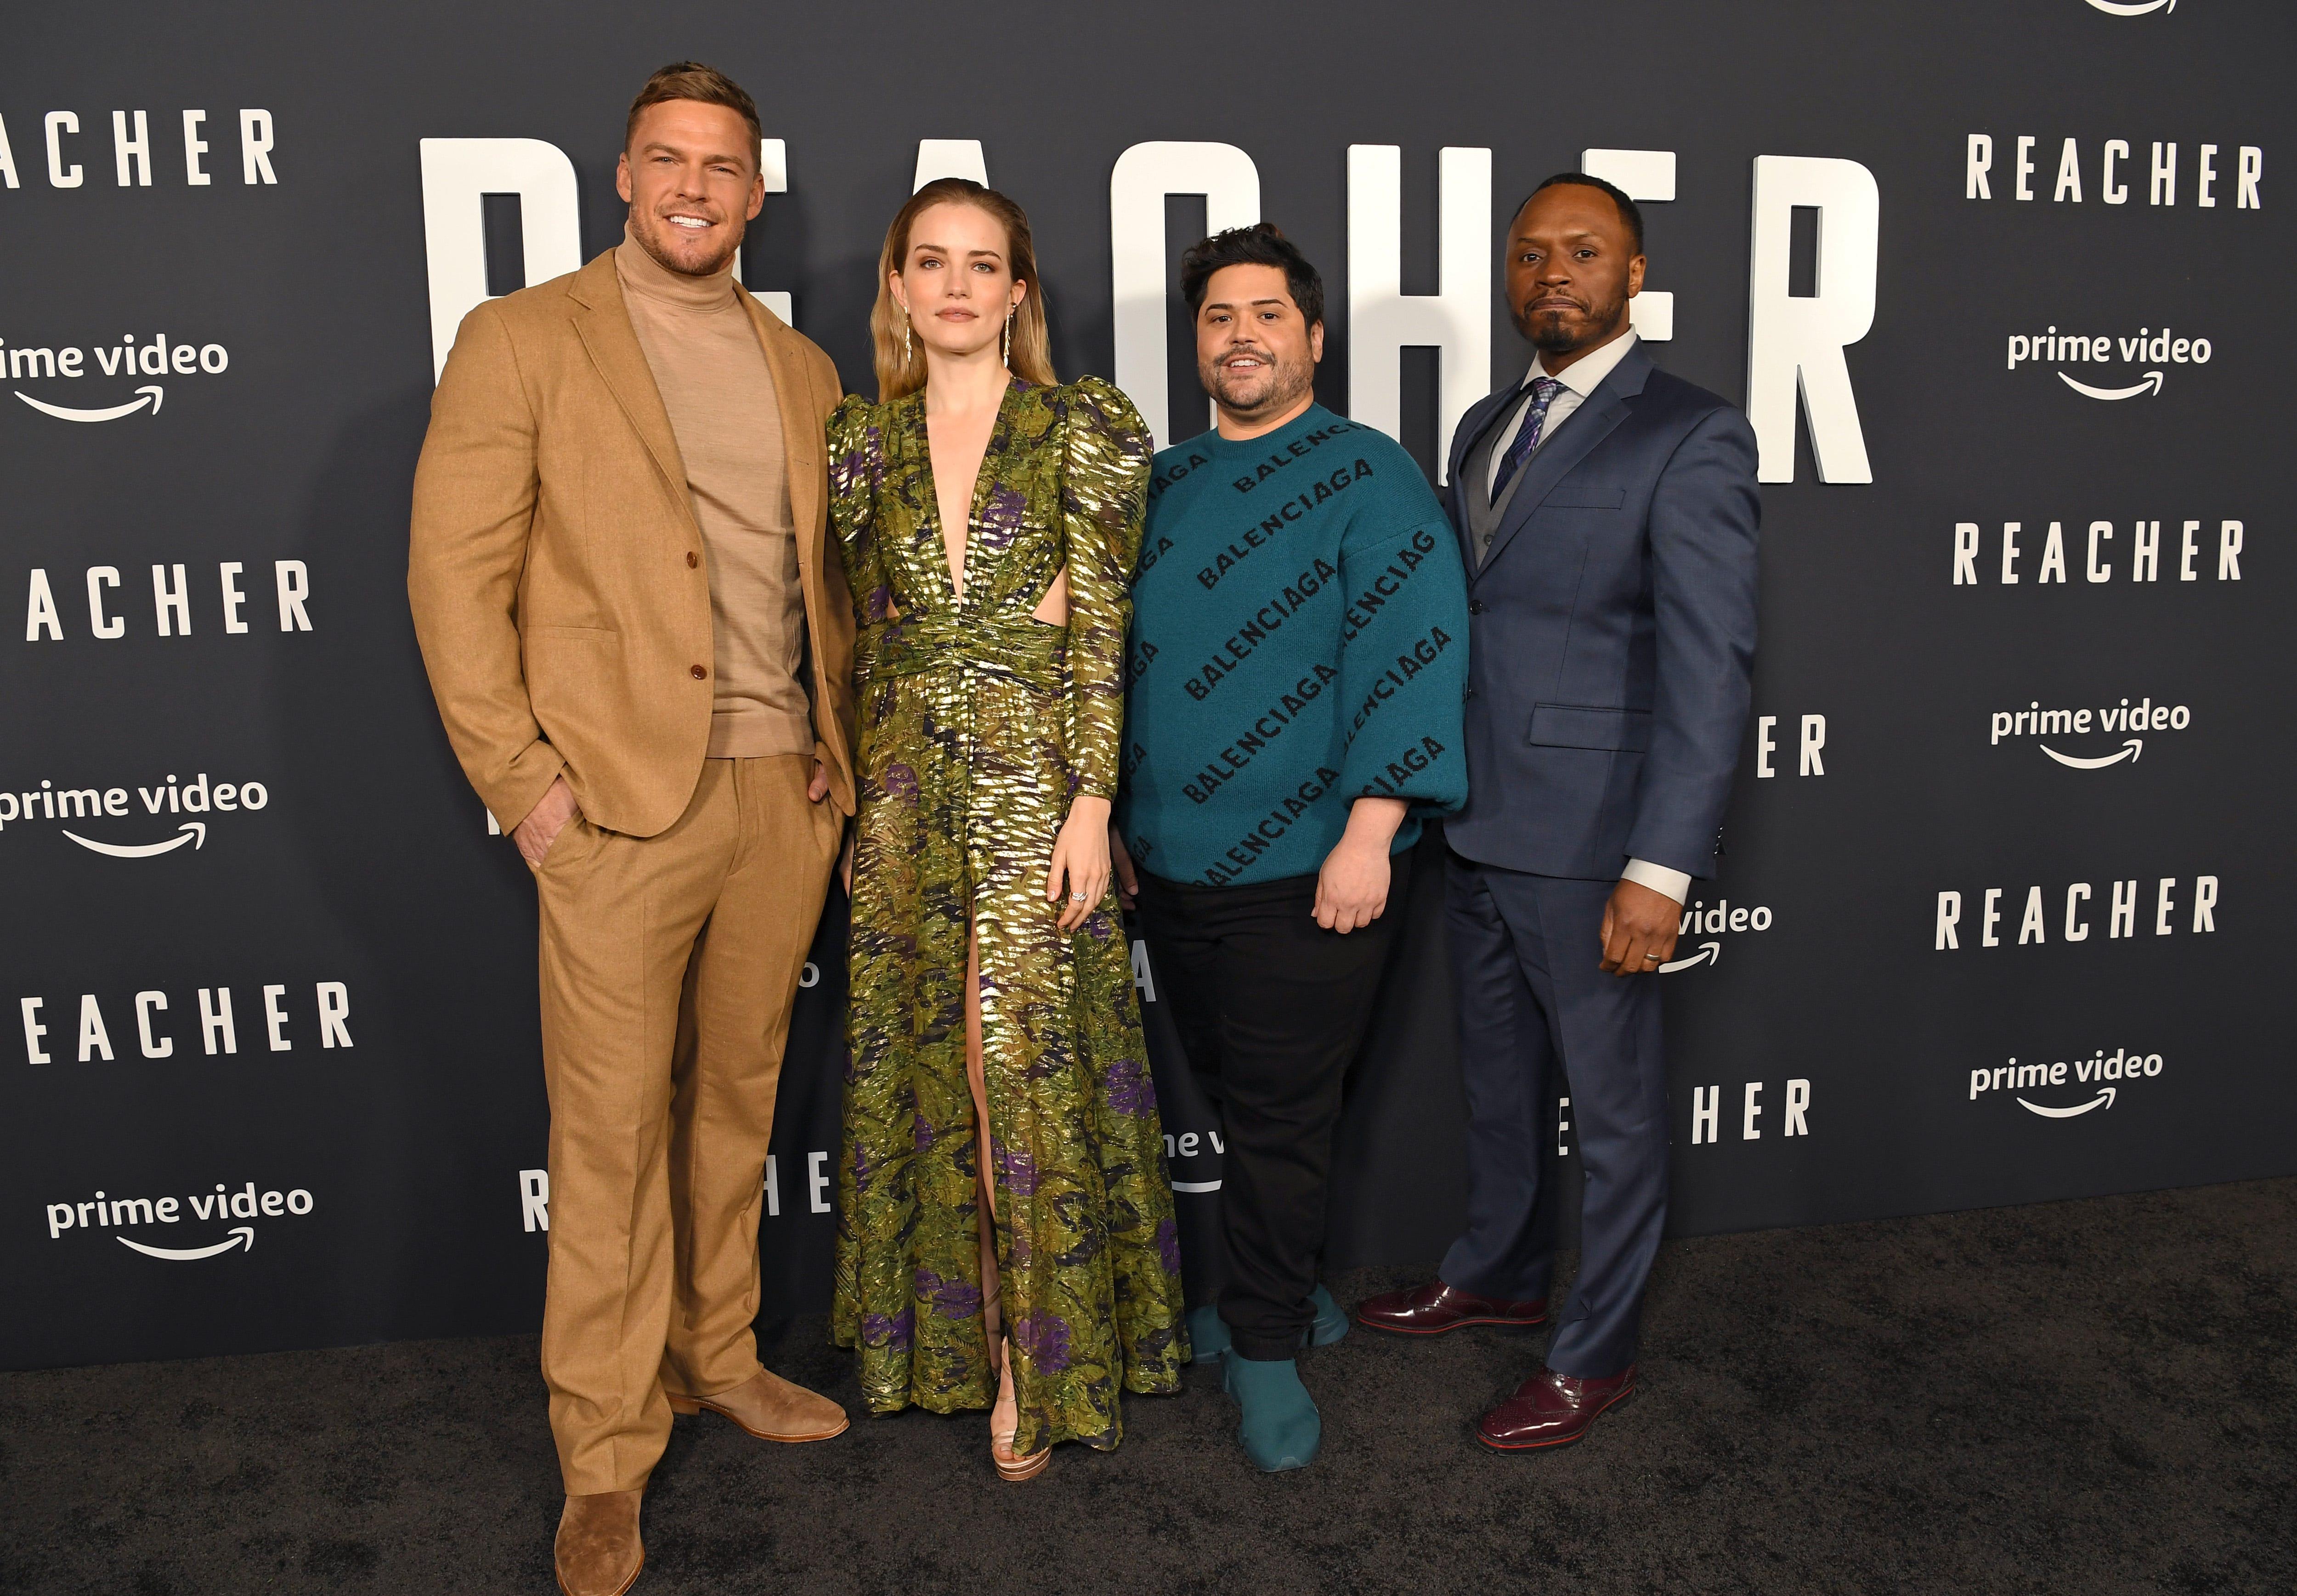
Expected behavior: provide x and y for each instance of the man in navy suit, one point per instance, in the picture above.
(1607, 512)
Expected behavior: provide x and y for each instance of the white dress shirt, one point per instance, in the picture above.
(1580, 379)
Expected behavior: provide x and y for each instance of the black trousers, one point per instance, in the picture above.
(1270, 1010)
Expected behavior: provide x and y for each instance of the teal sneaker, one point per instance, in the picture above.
(1208, 1337)
(1281, 1429)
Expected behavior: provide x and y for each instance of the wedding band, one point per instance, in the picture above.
(1076, 897)
(1650, 958)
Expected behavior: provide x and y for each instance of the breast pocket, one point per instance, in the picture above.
(1584, 725)
(1570, 498)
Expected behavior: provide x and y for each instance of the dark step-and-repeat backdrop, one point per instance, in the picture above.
(2002, 911)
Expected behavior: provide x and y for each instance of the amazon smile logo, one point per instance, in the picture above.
(153, 1215)
(2034, 723)
(2133, 8)
(2061, 350)
(1711, 925)
(65, 806)
(125, 360)
(2092, 1076)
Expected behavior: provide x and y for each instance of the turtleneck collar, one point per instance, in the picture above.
(641, 272)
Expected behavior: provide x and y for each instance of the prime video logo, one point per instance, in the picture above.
(157, 358)
(2155, 349)
(1700, 921)
(101, 1212)
(2097, 1071)
(2035, 721)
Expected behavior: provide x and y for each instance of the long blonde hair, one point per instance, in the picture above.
(1032, 358)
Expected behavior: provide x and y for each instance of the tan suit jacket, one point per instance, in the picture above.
(555, 568)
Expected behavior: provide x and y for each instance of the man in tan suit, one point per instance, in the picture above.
(642, 650)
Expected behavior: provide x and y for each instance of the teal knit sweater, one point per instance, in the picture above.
(1299, 640)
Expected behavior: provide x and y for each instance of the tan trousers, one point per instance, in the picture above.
(669, 964)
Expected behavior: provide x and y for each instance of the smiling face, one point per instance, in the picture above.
(956, 281)
(1571, 268)
(1255, 353)
(692, 180)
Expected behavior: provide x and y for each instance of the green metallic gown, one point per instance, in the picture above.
(978, 725)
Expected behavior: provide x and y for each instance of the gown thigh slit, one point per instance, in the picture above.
(979, 725)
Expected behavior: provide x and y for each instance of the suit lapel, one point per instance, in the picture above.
(1574, 441)
(603, 326)
(1473, 426)
(802, 439)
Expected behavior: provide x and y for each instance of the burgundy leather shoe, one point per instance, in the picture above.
(1434, 1308)
(1552, 1409)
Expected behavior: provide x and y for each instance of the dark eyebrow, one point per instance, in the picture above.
(1230, 305)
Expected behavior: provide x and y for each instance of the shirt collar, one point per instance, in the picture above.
(1584, 375)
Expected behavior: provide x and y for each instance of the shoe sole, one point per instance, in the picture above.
(689, 1406)
(1028, 1467)
(618, 1589)
(1563, 1440)
(1457, 1324)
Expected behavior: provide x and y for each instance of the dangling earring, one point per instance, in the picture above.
(905, 337)
(1008, 356)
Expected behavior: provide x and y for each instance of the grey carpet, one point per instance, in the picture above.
(2082, 1397)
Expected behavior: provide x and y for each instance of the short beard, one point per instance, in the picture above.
(646, 237)
(1554, 336)
(1287, 383)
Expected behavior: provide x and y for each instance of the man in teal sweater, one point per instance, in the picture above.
(1293, 711)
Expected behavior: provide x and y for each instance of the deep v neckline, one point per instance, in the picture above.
(984, 477)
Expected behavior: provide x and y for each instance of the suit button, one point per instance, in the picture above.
(1470, 693)
(699, 673)
(1475, 606)
(692, 559)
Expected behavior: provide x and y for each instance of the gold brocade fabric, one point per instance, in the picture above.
(977, 726)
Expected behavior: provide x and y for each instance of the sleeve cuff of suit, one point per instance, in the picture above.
(1672, 883)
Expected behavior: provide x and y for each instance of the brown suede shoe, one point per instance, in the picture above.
(770, 1408)
(598, 1550)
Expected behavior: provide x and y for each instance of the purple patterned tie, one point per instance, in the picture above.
(1543, 390)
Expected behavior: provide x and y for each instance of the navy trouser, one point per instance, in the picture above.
(1538, 1013)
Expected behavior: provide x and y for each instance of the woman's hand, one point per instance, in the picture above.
(1080, 866)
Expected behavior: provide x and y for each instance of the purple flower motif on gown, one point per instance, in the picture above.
(893, 1330)
(951, 1298)
(1044, 1339)
(1000, 521)
(863, 1168)
(1168, 1245)
(1017, 1170)
(1097, 925)
(1131, 1090)
(922, 1136)
(902, 784)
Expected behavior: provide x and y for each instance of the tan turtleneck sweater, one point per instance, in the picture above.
(715, 383)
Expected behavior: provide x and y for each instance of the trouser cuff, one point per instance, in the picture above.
(1266, 1349)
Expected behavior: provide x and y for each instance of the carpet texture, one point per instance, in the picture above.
(2086, 1397)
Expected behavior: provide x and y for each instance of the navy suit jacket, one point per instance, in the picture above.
(1612, 632)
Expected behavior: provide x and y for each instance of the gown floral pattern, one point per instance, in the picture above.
(977, 726)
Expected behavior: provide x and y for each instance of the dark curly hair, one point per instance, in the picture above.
(1263, 243)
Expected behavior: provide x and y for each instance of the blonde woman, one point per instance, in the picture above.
(1005, 1232)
